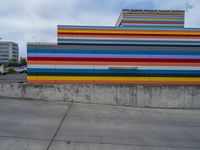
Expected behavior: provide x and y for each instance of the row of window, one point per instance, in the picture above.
(4, 55)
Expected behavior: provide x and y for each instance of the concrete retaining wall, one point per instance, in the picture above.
(162, 96)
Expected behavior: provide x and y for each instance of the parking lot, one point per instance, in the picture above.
(13, 78)
(42, 125)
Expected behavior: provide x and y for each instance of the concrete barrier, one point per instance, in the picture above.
(161, 96)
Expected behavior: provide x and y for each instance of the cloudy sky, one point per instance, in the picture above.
(25, 21)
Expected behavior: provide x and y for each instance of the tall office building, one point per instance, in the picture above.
(8, 51)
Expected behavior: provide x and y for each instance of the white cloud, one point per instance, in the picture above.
(36, 20)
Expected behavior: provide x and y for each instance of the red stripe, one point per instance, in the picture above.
(112, 59)
(147, 14)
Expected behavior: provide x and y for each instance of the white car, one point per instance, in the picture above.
(21, 70)
(3, 71)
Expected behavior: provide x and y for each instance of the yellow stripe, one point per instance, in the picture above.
(100, 78)
(88, 78)
(129, 32)
(31, 77)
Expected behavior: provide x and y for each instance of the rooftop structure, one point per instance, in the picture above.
(151, 18)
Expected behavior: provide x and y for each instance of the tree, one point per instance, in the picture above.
(13, 61)
(23, 61)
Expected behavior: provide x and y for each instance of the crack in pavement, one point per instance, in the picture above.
(25, 138)
(64, 117)
(124, 144)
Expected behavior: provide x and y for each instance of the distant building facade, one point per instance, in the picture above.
(8, 51)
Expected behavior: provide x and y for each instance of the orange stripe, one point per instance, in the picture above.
(109, 82)
(117, 29)
(175, 82)
(86, 82)
(77, 81)
(121, 82)
(41, 81)
(174, 64)
(145, 82)
(86, 63)
(60, 82)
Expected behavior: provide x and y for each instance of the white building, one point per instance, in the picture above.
(8, 51)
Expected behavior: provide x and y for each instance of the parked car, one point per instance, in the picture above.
(21, 69)
(3, 70)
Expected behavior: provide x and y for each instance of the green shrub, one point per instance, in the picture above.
(11, 70)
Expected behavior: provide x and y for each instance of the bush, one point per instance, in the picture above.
(11, 70)
(23, 61)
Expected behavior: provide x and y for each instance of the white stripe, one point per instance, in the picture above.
(108, 66)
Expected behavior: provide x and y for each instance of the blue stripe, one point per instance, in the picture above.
(187, 72)
(63, 41)
(118, 28)
(151, 27)
(153, 52)
(60, 51)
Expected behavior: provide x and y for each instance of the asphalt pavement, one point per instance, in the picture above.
(13, 78)
(42, 125)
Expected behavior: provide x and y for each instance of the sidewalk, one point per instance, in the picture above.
(41, 125)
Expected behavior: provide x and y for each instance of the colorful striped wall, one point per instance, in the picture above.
(127, 36)
(113, 64)
(146, 18)
(134, 54)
